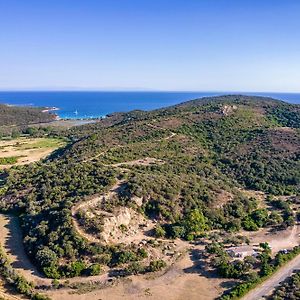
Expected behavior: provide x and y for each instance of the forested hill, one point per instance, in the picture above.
(17, 115)
(205, 154)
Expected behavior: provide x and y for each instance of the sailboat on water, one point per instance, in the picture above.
(76, 112)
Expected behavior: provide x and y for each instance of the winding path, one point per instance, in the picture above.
(11, 240)
(92, 203)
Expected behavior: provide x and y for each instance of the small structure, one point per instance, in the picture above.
(241, 251)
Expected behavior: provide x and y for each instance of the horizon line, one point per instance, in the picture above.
(145, 90)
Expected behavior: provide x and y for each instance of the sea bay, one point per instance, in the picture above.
(94, 104)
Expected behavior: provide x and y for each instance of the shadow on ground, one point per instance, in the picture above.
(200, 267)
(14, 246)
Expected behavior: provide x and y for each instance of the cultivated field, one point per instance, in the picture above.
(25, 150)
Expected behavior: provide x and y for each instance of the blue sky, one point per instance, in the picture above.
(203, 45)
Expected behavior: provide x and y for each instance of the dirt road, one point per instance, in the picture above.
(11, 240)
(267, 287)
(184, 279)
(6, 296)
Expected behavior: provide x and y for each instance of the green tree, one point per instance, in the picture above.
(46, 257)
(195, 222)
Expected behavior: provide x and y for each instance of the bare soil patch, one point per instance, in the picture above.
(27, 150)
(278, 240)
(183, 280)
(12, 241)
(124, 225)
(141, 162)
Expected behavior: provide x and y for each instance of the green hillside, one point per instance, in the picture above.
(205, 153)
(14, 118)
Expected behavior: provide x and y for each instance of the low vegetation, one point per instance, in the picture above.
(17, 281)
(8, 160)
(14, 119)
(26, 149)
(288, 290)
(267, 267)
(209, 152)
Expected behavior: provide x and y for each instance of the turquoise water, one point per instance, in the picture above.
(98, 104)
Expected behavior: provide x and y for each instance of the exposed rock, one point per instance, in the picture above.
(138, 200)
(228, 109)
(123, 218)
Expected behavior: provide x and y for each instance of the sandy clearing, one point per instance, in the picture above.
(147, 161)
(184, 280)
(6, 296)
(278, 240)
(89, 204)
(127, 237)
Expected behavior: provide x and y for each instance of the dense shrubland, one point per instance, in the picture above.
(15, 119)
(211, 150)
(18, 115)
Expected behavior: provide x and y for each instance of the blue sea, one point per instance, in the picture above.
(81, 105)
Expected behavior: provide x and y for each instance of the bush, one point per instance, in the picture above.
(177, 231)
(46, 257)
(156, 265)
(16, 280)
(39, 296)
(142, 253)
(134, 268)
(76, 268)
(8, 160)
(249, 224)
(93, 270)
(159, 231)
(215, 248)
(52, 272)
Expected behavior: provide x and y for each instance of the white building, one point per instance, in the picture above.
(241, 251)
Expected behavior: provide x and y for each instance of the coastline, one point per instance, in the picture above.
(49, 109)
(98, 105)
(84, 120)
(79, 120)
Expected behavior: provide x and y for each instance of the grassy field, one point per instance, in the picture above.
(25, 150)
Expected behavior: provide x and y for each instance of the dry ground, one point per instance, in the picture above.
(278, 240)
(65, 124)
(27, 150)
(184, 280)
